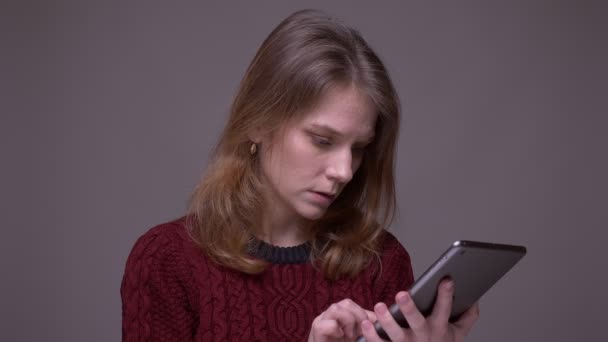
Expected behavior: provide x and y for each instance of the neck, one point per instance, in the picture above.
(284, 229)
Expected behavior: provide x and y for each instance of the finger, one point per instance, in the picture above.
(414, 318)
(371, 316)
(468, 318)
(443, 305)
(369, 332)
(359, 313)
(345, 318)
(327, 328)
(354, 308)
(392, 328)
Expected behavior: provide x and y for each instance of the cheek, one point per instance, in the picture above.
(292, 161)
(298, 158)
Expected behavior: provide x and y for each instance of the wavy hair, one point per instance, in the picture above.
(303, 57)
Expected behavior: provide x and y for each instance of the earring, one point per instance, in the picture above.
(253, 149)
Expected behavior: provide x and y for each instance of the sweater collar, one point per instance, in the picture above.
(299, 254)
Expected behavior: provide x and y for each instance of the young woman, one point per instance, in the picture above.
(285, 239)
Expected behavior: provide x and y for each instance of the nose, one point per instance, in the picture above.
(340, 167)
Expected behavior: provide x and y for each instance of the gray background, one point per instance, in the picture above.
(109, 111)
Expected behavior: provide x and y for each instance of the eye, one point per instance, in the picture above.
(321, 141)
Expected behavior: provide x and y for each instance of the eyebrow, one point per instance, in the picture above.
(332, 131)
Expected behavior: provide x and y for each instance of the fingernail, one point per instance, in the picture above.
(366, 325)
(449, 285)
(402, 298)
(381, 308)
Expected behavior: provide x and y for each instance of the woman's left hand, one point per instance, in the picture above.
(434, 328)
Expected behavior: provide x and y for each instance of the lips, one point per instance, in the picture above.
(325, 196)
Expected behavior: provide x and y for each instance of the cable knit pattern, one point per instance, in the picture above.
(172, 292)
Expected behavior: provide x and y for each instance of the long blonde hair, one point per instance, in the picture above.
(304, 56)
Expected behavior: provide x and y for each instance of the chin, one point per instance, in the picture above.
(312, 213)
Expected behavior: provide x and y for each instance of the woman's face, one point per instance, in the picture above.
(307, 164)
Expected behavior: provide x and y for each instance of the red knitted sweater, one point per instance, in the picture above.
(172, 292)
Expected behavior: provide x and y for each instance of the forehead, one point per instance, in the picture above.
(347, 111)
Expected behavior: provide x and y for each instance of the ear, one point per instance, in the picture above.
(255, 135)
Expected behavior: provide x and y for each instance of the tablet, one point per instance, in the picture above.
(473, 266)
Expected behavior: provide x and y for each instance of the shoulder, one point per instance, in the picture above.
(158, 284)
(174, 232)
(161, 239)
(162, 250)
(395, 269)
(391, 248)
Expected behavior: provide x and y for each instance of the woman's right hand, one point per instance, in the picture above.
(340, 322)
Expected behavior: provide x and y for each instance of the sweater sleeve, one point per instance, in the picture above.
(396, 273)
(155, 304)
